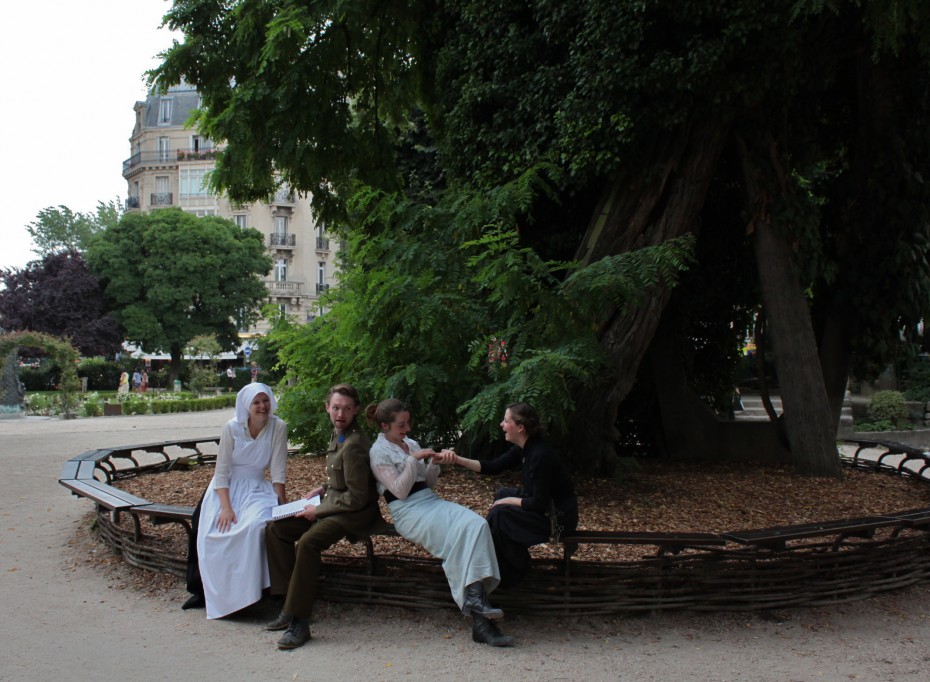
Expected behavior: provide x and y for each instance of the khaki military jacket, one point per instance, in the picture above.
(351, 498)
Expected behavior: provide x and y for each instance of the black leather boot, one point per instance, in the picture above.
(282, 622)
(476, 603)
(484, 631)
(195, 601)
(298, 634)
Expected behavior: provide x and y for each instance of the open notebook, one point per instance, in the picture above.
(282, 511)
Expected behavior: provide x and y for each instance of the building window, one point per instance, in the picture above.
(322, 243)
(241, 220)
(280, 225)
(282, 308)
(164, 148)
(280, 270)
(162, 196)
(194, 182)
(164, 112)
(199, 144)
(321, 272)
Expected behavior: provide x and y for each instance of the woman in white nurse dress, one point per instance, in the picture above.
(238, 503)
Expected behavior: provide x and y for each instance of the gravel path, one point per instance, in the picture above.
(59, 617)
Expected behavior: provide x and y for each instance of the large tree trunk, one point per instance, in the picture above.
(174, 365)
(643, 211)
(835, 360)
(809, 424)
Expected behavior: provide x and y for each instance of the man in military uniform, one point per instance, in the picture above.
(349, 504)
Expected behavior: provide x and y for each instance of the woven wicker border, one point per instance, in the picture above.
(816, 572)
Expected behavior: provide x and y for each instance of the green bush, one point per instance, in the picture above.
(915, 381)
(91, 406)
(102, 375)
(135, 406)
(889, 406)
(42, 378)
(202, 378)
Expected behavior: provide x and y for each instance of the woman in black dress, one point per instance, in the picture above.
(544, 505)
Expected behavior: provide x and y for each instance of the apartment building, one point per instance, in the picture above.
(168, 166)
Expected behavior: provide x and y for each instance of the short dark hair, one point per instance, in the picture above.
(348, 390)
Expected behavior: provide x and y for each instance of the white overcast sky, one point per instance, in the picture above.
(70, 72)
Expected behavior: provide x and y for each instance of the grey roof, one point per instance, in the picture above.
(184, 99)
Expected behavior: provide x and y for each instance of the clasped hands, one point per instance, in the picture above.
(441, 457)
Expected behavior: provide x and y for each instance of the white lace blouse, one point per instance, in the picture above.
(397, 471)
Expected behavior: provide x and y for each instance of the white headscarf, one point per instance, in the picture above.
(245, 397)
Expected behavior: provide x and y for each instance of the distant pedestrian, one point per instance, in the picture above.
(230, 375)
(136, 380)
(144, 384)
(254, 372)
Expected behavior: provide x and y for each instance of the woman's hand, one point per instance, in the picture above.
(423, 454)
(225, 519)
(444, 457)
(516, 501)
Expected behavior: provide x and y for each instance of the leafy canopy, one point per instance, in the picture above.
(440, 306)
(171, 276)
(58, 229)
(59, 296)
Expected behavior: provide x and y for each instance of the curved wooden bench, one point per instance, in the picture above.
(79, 475)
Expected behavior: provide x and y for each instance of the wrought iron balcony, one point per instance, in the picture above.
(321, 288)
(285, 240)
(197, 154)
(322, 244)
(162, 199)
(131, 203)
(161, 157)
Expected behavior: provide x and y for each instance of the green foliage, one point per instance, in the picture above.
(325, 85)
(428, 293)
(92, 406)
(879, 425)
(135, 405)
(202, 377)
(102, 375)
(172, 276)
(41, 378)
(833, 95)
(58, 229)
(63, 355)
(889, 406)
(915, 380)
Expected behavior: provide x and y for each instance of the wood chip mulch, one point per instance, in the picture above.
(659, 496)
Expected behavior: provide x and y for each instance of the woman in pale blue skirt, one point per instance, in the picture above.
(448, 531)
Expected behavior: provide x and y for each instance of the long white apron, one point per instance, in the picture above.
(233, 565)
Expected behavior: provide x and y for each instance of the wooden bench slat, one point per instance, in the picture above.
(85, 471)
(779, 535)
(70, 469)
(641, 538)
(107, 496)
(913, 517)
